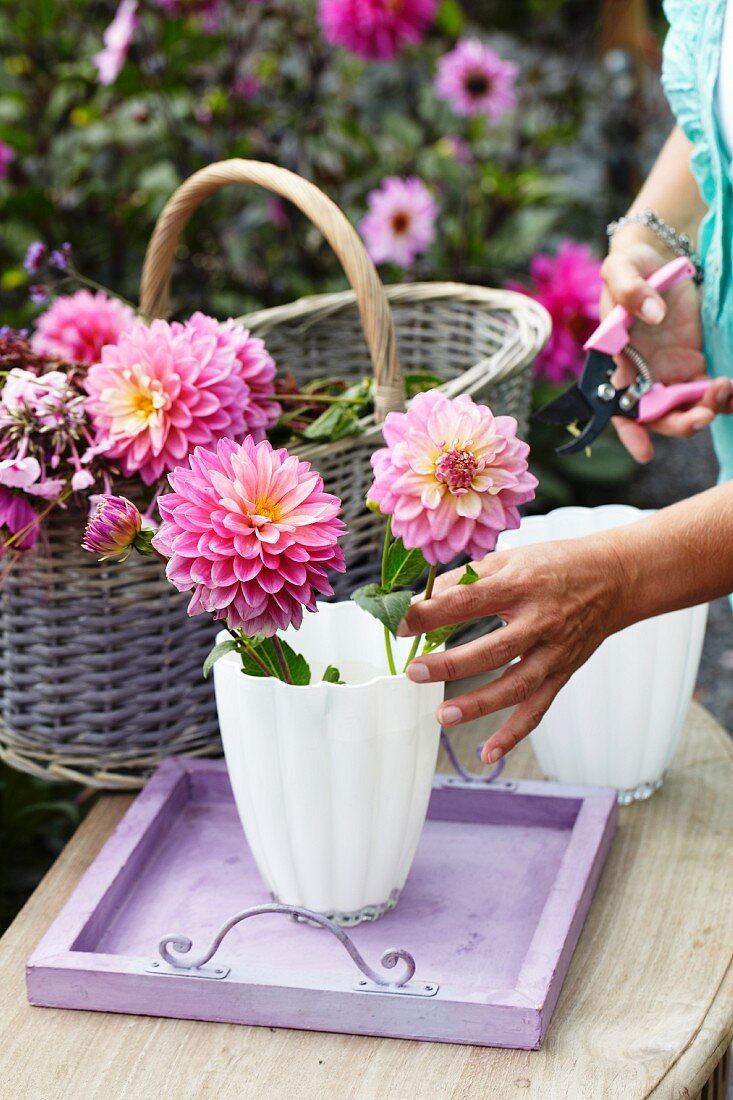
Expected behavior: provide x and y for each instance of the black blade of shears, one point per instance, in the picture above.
(582, 403)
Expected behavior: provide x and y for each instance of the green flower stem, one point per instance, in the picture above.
(241, 638)
(385, 555)
(73, 273)
(277, 646)
(432, 574)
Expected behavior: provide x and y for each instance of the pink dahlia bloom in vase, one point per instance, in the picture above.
(568, 285)
(162, 390)
(400, 224)
(452, 476)
(375, 29)
(256, 368)
(77, 326)
(474, 80)
(252, 532)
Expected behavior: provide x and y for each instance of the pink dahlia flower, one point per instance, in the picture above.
(77, 326)
(400, 224)
(451, 476)
(252, 532)
(375, 29)
(163, 389)
(18, 521)
(476, 81)
(256, 367)
(112, 528)
(568, 285)
(116, 38)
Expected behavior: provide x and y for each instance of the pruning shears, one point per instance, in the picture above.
(593, 399)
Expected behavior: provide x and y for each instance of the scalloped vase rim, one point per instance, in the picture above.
(328, 608)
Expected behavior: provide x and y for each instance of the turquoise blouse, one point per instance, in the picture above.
(689, 75)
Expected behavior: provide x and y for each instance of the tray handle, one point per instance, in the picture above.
(374, 309)
(174, 947)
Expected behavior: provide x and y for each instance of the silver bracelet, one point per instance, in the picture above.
(679, 243)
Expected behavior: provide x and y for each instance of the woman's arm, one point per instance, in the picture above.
(559, 601)
(671, 338)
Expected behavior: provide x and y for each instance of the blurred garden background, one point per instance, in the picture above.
(509, 134)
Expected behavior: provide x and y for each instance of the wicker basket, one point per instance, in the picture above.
(100, 665)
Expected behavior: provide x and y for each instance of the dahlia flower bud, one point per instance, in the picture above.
(114, 529)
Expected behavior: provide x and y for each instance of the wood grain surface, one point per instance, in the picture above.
(646, 1011)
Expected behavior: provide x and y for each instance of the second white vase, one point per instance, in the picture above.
(617, 720)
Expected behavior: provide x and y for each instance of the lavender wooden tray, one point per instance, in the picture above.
(491, 913)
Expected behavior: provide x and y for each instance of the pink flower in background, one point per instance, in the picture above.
(19, 473)
(17, 518)
(476, 81)
(77, 326)
(7, 156)
(117, 38)
(568, 285)
(451, 476)
(456, 147)
(245, 87)
(252, 532)
(112, 528)
(163, 389)
(256, 367)
(400, 224)
(278, 212)
(375, 29)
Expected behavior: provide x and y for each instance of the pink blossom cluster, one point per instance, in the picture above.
(44, 433)
(568, 285)
(375, 29)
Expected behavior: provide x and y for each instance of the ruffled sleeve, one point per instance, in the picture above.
(681, 84)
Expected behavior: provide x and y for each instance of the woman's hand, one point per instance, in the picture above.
(669, 335)
(559, 600)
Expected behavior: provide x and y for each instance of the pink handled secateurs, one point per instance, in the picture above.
(594, 399)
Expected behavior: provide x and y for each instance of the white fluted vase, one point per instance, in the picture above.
(617, 720)
(332, 781)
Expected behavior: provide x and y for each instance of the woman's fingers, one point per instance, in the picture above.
(525, 718)
(484, 654)
(517, 685)
(686, 422)
(627, 287)
(635, 438)
(456, 603)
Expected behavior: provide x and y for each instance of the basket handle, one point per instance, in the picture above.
(374, 309)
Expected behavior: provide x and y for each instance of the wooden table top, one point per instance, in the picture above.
(646, 1010)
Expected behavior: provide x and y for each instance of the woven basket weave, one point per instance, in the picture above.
(100, 665)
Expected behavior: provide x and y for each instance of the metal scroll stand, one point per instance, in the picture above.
(174, 949)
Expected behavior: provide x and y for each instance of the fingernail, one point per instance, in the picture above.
(402, 631)
(652, 311)
(418, 672)
(494, 755)
(698, 425)
(449, 716)
(724, 398)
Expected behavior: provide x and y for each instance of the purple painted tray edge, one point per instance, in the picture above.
(58, 976)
